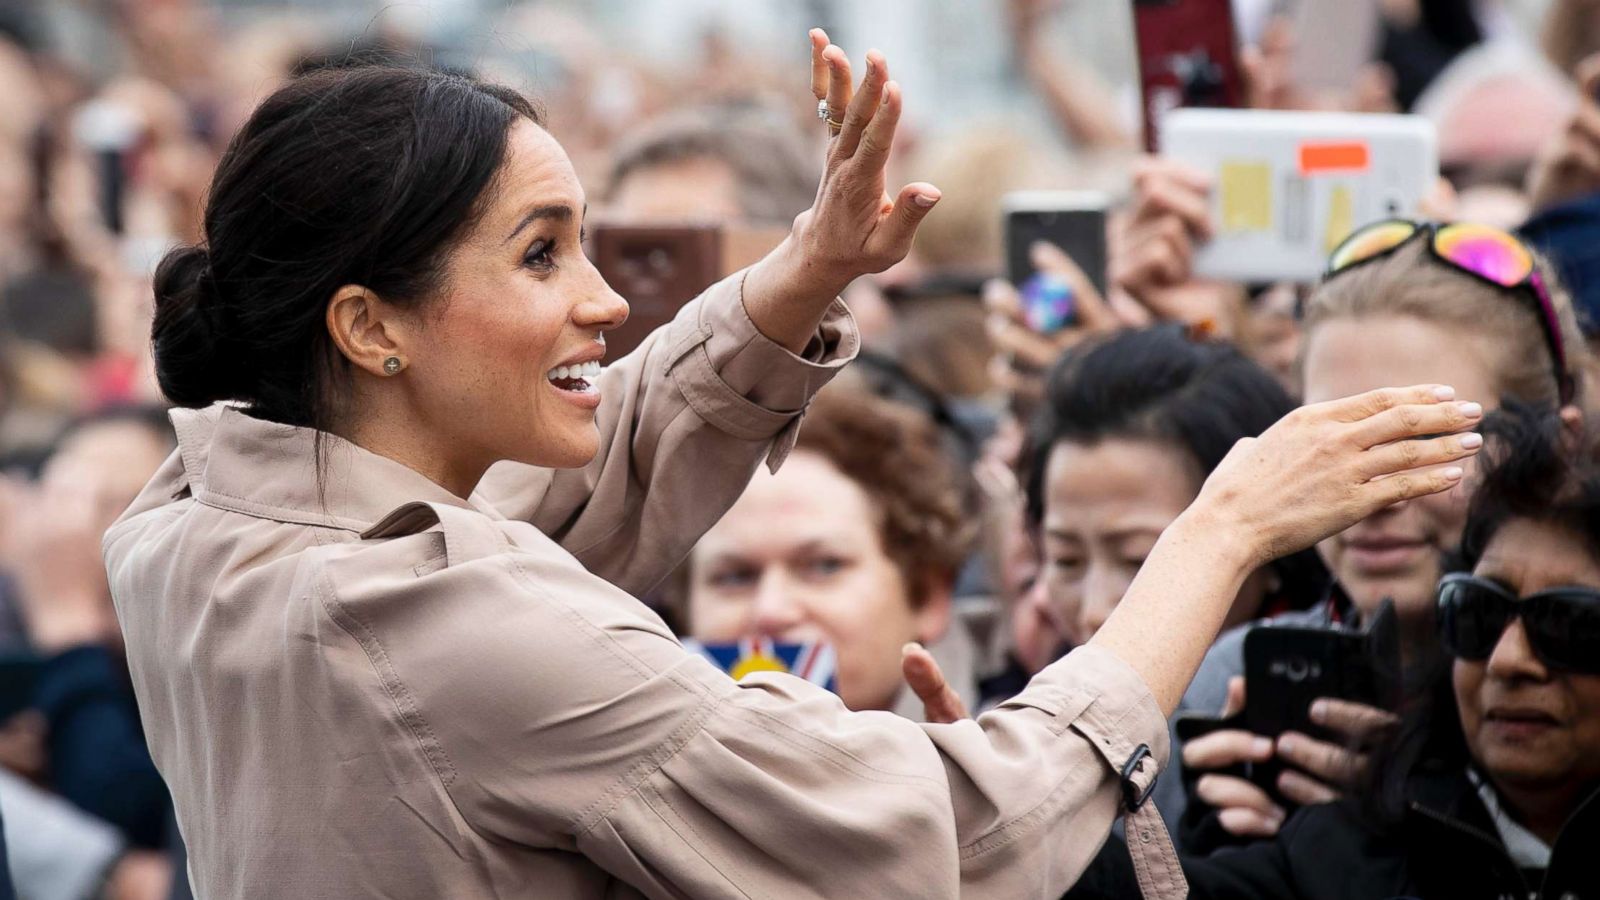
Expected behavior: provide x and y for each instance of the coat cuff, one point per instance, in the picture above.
(743, 383)
(1120, 715)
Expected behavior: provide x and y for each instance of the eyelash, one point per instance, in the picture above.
(541, 256)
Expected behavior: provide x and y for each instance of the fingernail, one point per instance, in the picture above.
(1319, 711)
(910, 647)
(1261, 746)
(1287, 743)
(1445, 392)
(1471, 410)
(1453, 473)
(1277, 815)
(1471, 440)
(924, 200)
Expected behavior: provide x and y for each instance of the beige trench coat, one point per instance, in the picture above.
(391, 692)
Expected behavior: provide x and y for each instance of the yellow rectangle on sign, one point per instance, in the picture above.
(1245, 193)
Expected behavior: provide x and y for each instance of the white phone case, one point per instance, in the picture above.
(1289, 186)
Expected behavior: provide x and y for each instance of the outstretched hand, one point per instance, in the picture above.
(855, 227)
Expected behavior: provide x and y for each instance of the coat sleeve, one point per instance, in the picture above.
(559, 713)
(1254, 870)
(684, 421)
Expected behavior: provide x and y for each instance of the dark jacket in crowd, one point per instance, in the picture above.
(97, 753)
(1445, 847)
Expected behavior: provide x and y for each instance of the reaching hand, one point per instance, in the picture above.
(940, 702)
(1324, 467)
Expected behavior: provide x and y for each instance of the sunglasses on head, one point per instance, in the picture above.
(1562, 624)
(1486, 253)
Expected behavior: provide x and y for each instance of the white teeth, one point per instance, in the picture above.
(585, 371)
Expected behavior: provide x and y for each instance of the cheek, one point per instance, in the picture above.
(1467, 679)
(1586, 711)
(502, 330)
(866, 611)
(1444, 515)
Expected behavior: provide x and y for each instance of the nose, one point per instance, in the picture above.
(1103, 588)
(1513, 659)
(602, 309)
(776, 610)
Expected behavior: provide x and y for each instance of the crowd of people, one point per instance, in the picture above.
(957, 509)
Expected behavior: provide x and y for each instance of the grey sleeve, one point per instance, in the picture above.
(57, 852)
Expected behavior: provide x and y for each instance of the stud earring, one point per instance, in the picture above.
(392, 365)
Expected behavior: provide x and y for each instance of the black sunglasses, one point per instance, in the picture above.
(1563, 624)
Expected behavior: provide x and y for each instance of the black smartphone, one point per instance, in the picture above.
(1188, 56)
(1075, 222)
(1288, 667)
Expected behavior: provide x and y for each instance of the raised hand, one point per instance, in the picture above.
(855, 227)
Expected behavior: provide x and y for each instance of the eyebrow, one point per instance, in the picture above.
(559, 212)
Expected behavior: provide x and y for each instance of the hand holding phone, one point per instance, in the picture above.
(1188, 56)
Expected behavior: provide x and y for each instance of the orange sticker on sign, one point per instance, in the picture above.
(1346, 156)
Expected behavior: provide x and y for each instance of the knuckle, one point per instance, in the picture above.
(1410, 454)
(1410, 417)
(1382, 400)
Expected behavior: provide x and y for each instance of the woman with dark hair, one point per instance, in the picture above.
(1129, 429)
(1491, 788)
(368, 669)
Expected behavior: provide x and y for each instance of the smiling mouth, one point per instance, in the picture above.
(583, 378)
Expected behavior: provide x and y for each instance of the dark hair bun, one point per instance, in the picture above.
(191, 366)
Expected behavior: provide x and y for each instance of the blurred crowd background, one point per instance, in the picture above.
(912, 510)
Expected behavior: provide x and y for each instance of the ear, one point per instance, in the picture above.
(933, 616)
(364, 328)
(1572, 421)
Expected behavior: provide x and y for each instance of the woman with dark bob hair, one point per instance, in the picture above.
(370, 666)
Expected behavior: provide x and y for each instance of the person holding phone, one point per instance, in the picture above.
(1491, 787)
(369, 666)
(1393, 306)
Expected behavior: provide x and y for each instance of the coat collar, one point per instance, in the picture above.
(237, 462)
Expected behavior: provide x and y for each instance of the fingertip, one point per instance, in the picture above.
(1444, 392)
(1453, 474)
(833, 55)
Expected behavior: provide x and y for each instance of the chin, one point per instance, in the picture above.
(1412, 592)
(573, 449)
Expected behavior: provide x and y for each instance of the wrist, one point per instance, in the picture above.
(1229, 543)
(787, 293)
